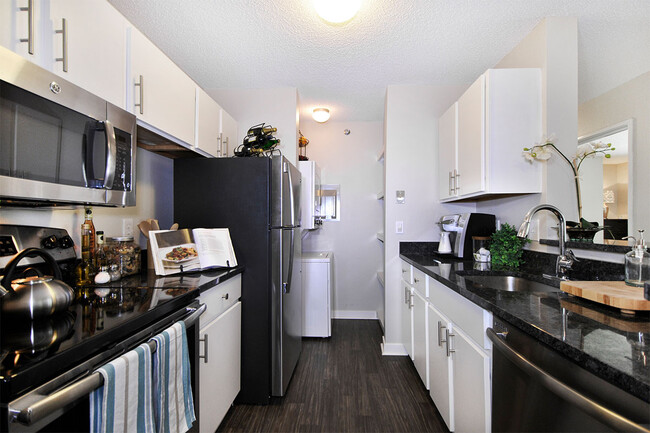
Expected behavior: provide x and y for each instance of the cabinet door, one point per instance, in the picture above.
(420, 341)
(407, 319)
(14, 26)
(228, 133)
(447, 153)
(166, 95)
(471, 139)
(219, 373)
(208, 113)
(440, 367)
(471, 383)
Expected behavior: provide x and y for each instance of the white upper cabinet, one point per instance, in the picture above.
(447, 142)
(493, 121)
(82, 41)
(93, 51)
(163, 97)
(216, 130)
(229, 128)
(208, 124)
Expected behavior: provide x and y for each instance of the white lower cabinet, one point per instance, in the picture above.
(444, 333)
(441, 367)
(407, 318)
(471, 384)
(420, 343)
(219, 353)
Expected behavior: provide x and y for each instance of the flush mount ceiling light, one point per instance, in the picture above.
(337, 11)
(321, 115)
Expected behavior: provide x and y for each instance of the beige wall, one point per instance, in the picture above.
(628, 101)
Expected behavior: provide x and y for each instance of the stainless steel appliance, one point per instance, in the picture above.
(60, 144)
(465, 225)
(46, 365)
(258, 199)
(535, 388)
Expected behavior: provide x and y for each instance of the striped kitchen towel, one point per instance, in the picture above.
(173, 401)
(123, 403)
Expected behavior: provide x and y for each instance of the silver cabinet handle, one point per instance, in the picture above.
(220, 141)
(404, 271)
(406, 295)
(440, 328)
(224, 151)
(140, 104)
(448, 342)
(64, 44)
(205, 349)
(30, 26)
(451, 179)
(457, 183)
(411, 303)
(225, 296)
(604, 415)
(415, 280)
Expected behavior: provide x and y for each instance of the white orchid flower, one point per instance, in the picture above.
(601, 145)
(542, 153)
(583, 149)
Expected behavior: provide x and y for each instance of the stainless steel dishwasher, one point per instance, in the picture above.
(534, 388)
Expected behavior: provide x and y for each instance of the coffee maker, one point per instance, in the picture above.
(462, 227)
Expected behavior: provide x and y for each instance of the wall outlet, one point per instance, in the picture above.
(399, 227)
(127, 226)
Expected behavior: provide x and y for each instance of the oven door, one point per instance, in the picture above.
(59, 143)
(43, 408)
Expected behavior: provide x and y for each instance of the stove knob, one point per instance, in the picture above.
(66, 242)
(49, 242)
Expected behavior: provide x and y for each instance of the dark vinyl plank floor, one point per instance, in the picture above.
(343, 384)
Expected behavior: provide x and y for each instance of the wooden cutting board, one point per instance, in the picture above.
(613, 293)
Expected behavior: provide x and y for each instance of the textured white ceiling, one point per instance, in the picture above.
(283, 43)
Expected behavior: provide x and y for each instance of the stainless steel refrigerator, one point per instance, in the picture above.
(258, 199)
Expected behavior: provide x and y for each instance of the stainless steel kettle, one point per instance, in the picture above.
(34, 297)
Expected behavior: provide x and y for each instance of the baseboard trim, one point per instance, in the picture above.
(349, 314)
(392, 349)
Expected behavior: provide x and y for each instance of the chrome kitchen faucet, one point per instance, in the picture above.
(566, 258)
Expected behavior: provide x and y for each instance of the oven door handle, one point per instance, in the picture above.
(607, 417)
(36, 406)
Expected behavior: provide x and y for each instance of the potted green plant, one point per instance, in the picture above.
(507, 248)
(583, 230)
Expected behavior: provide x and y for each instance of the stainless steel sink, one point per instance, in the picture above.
(509, 283)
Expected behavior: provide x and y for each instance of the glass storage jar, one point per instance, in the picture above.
(125, 253)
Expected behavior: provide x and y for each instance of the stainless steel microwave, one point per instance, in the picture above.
(60, 144)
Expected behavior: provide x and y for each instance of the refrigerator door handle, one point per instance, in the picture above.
(285, 168)
(286, 286)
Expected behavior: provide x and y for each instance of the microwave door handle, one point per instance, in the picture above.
(111, 155)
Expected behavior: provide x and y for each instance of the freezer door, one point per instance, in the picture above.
(285, 194)
(286, 307)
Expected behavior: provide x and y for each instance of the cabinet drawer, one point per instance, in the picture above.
(407, 274)
(220, 298)
(469, 317)
(420, 282)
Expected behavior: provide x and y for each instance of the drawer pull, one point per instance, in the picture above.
(440, 328)
(448, 342)
(225, 296)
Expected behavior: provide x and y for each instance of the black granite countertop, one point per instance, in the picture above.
(611, 345)
(98, 317)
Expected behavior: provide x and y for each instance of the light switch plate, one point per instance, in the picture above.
(400, 196)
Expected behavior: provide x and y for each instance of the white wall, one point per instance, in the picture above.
(551, 46)
(154, 199)
(628, 101)
(350, 161)
(411, 164)
(277, 107)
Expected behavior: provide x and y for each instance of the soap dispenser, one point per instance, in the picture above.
(637, 263)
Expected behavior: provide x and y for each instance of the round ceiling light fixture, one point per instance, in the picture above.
(321, 115)
(337, 11)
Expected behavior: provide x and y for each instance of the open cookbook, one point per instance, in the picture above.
(176, 251)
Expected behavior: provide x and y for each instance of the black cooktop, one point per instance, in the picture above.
(100, 316)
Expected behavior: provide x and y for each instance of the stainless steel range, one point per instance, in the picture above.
(46, 366)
